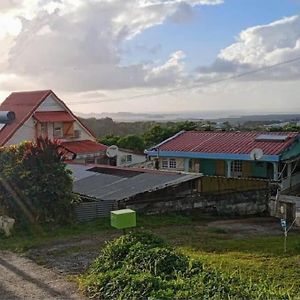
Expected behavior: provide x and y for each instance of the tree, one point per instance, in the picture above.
(133, 142)
(35, 185)
(156, 134)
(109, 140)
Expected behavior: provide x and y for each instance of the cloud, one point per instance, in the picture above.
(262, 46)
(171, 71)
(75, 45)
(6, 5)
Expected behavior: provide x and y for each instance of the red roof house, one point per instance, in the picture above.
(233, 154)
(42, 113)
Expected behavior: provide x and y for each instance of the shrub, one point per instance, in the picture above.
(142, 266)
(35, 185)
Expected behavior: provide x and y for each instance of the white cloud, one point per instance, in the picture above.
(75, 44)
(266, 44)
(262, 46)
(171, 71)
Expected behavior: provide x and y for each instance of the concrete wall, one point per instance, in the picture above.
(135, 158)
(229, 204)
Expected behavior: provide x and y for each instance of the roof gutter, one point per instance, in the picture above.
(204, 155)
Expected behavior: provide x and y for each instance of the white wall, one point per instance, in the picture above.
(25, 133)
(50, 104)
(136, 158)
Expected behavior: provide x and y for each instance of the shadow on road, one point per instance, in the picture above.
(52, 292)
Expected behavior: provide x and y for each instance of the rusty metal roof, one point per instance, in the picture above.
(103, 186)
(227, 142)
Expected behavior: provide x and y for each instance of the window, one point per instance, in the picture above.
(236, 166)
(129, 158)
(169, 163)
(57, 130)
(172, 163)
(165, 164)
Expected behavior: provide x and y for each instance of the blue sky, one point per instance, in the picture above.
(108, 55)
(212, 29)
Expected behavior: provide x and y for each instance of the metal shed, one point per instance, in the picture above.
(103, 188)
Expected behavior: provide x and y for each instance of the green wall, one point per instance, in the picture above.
(208, 166)
(259, 169)
(292, 152)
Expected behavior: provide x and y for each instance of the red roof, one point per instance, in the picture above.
(53, 116)
(85, 146)
(226, 142)
(24, 104)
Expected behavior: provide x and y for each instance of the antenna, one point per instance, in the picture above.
(112, 151)
(256, 154)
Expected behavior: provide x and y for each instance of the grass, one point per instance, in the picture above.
(255, 257)
(23, 240)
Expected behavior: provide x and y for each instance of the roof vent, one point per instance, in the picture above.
(271, 138)
(7, 117)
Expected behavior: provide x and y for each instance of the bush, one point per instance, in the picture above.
(142, 266)
(35, 186)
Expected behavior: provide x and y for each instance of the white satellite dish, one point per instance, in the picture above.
(256, 154)
(112, 151)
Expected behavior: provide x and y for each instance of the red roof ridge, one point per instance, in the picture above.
(31, 92)
(13, 100)
(12, 128)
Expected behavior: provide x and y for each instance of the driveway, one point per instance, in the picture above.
(21, 278)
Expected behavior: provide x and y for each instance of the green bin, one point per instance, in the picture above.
(123, 218)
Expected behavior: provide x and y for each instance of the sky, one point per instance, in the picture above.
(154, 55)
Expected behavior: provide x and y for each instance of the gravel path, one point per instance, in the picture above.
(21, 278)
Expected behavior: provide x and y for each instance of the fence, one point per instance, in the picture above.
(87, 211)
(217, 185)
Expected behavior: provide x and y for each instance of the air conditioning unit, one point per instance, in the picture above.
(77, 134)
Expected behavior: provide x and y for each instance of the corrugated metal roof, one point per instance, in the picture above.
(109, 187)
(226, 142)
(85, 146)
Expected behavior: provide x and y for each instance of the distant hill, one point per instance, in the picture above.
(233, 117)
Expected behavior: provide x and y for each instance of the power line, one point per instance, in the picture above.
(204, 84)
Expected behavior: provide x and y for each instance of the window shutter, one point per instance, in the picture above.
(68, 129)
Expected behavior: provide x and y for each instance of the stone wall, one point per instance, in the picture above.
(230, 204)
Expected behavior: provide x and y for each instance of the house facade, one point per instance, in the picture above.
(230, 154)
(42, 113)
(127, 157)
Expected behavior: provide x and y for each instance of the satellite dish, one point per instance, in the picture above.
(256, 154)
(112, 151)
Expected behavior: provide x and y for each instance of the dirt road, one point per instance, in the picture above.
(21, 278)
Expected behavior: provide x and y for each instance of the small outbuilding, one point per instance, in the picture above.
(104, 188)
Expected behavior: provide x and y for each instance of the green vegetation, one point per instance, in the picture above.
(35, 186)
(149, 133)
(26, 238)
(142, 266)
(242, 254)
(150, 136)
